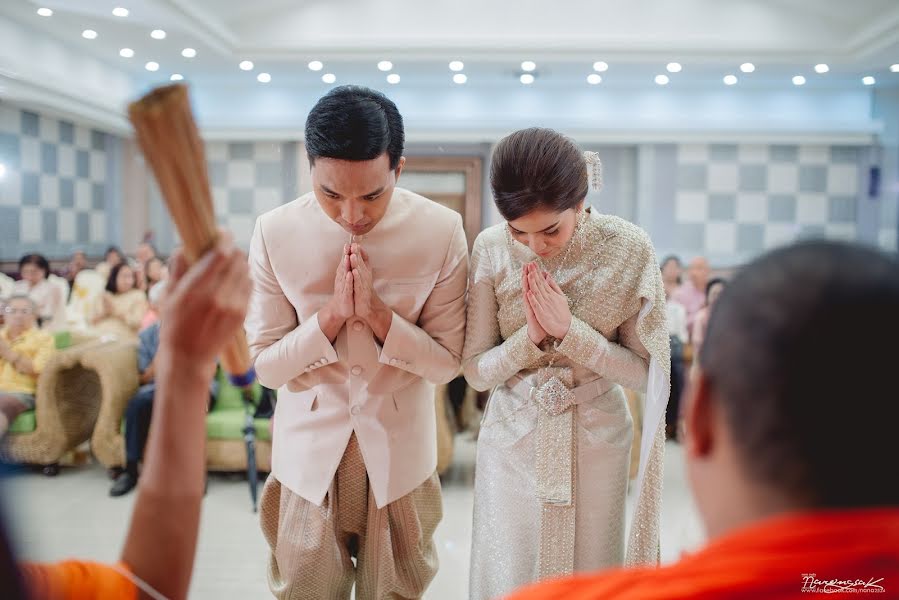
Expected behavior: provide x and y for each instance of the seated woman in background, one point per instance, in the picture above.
(113, 257)
(48, 298)
(712, 291)
(155, 271)
(122, 307)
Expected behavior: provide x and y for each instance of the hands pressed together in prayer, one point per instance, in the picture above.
(545, 305)
(355, 296)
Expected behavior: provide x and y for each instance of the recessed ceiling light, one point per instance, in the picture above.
(329, 78)
(152, 66)
(460, 78)
(730, 80)
(45, 12)
(126, 53)
(157, 34)
(601, 66)
(188, 53)
(868, 80)
(246, 65)
(456, 65)
(894, 68)
(176, 77)
(526, 78)
(821, 68)
(528, 66)
(393, 78)
(662, 79)
(798, 80)
(594, 79)
(263, 78)
(89, 34)
(385, 65)
(674, 67)
(316, 65)
(747, 68)
(120, 12)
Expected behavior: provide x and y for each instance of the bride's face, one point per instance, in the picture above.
(545, 232)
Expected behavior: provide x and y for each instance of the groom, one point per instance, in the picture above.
(358, 308)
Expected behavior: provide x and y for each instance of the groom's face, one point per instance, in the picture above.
(355, 194)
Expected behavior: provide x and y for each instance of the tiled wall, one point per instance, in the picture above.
(59, 189)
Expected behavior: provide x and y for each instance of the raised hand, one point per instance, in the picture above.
(536, 332)
(368, 305)
(549, 303)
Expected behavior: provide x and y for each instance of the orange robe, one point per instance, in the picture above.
(78, 580)
(793, 556)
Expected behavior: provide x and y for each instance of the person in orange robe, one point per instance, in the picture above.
(206, 304)
(790, 438)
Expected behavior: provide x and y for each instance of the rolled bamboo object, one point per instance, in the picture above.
(168, 136)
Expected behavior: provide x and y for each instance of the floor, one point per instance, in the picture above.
(73, 515)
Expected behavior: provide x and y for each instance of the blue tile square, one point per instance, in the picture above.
(844, 154)
(218, 174)
(268, 175)
(48, 226)
(813, 232)
(30, 124)
(689, 237)
(98, 140)
(750, 237)
(812, 178)
(781, 153)
(9, 223)
(98, 196)
(240, 151)
(31, 189)
(82, 163)
(49, 158)
(66, 132)
(240, 202)
(66, 193)
(723, 152)
(692, 177)
(82, 228)
(722, 207)
(753, 178)
(841, 209)
(782, 208)
(10, 150)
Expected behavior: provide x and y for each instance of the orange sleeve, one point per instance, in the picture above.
(78, 580)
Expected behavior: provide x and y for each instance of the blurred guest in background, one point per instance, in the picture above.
(77, 263)
(122, 307)
(691, 294)
(111, 258)
(48, 297)
(712, 291)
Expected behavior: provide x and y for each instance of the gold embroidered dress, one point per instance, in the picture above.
(554, 447)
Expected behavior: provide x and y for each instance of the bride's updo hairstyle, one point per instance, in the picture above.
(537, 168)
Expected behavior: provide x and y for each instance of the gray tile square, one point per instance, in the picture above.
(218, 174)
(98, 196)
(844, 154)
(813, 232)
(692, 177)
(49, 158)
(82, 228)
(98, 140)
(240, 151)
(66, 132)
(82, 163)
(750, 237)
(722, 207)
(10, 150)
(48, 226)
(31, 189)
(784, 153)
(30, 124)
(689, 237)
(66, 192)
(723, 152)
(268, 175)
(9, 223)
(240, 202)
(782, 208)
(812, 178)
(753, 178)
(841, 209)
